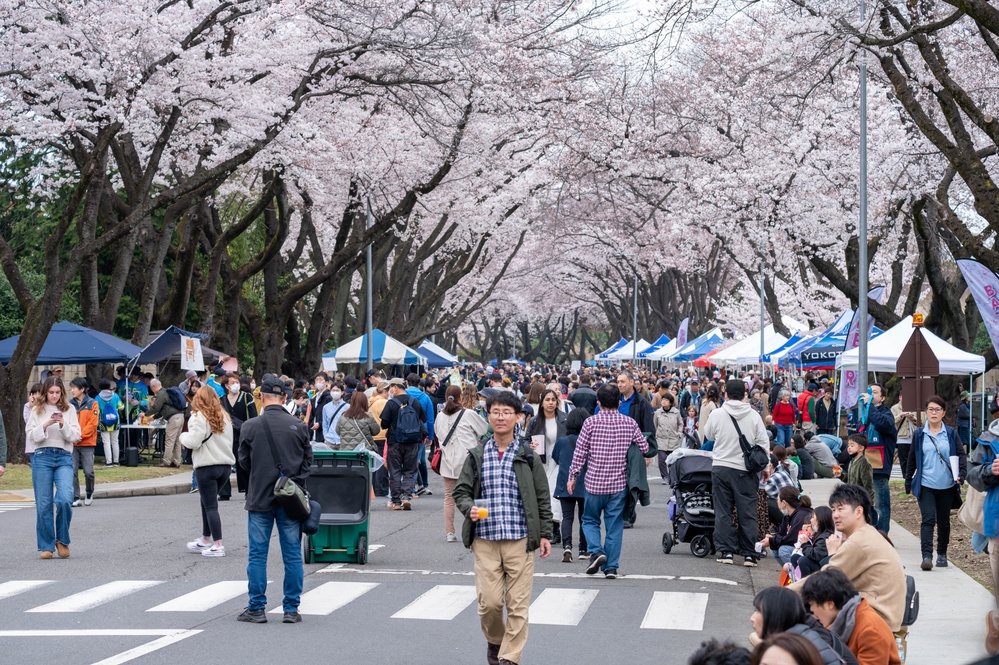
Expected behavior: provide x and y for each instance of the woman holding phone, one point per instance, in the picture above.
(54, 428)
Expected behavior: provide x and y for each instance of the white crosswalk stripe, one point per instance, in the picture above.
(11, 506)
(204, 598)
(329, 597)
(552, 606)
(442, 603)
(670, 610)
(86, 600)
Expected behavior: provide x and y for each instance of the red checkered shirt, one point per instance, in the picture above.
(603, 447)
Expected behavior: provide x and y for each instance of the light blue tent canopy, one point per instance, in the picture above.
(387, 350)
(696, 348)
(620, 344)
(655, 347)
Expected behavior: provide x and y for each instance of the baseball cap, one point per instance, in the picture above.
(373, 372)
(191, 374)
(273, 386)
(397, 382)
(813, 387)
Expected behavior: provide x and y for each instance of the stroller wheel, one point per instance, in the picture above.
(667, 542)
(700, 546)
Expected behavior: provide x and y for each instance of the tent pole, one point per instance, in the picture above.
(367, 288)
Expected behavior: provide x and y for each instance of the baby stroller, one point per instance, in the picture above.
(690, 508)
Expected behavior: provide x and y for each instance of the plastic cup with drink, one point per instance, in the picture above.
(481, 508)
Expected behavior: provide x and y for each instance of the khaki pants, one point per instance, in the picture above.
(504, 568)
(449, 484)
(171, 447)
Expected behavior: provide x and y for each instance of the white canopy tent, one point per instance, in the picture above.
(884, 350)
(663, 353)
(747, 351)
(387, 350)
(629, 350)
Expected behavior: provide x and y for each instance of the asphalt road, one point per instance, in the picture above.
(131, 592)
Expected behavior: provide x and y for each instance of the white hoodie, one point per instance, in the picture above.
(207, 447)
(719, 428)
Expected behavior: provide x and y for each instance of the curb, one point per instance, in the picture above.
(126, 492)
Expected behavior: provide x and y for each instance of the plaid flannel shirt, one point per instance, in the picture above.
(507, 519)
(781, 477)
(603, 446)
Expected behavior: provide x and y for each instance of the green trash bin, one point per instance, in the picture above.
(340, 480)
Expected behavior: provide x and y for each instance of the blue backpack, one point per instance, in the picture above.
(109, 414)
(408, 426)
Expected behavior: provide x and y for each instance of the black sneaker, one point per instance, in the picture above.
(610, 574)
(567, 556)
(292, 617)
(596, 561)
(927, 563)
(941, 561)
(252, 616)
(725, 557)
(749, 562)
(629, 525)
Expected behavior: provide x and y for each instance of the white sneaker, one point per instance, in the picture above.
(77, 503)
(197, 546)
(89, 500)
(214, 550)
(451, 538)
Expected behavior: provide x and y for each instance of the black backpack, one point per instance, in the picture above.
(176, 398)
(911, 602)
(408, 426)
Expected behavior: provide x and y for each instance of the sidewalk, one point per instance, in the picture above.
(952, 606)
(179, 483)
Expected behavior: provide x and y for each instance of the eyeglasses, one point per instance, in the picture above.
(502, 414)
(934, 409)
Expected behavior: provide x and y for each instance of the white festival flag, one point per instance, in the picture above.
(848, 391)
(681, 334)
(190, 354)
(984, 286)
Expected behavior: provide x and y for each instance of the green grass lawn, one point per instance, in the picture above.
(18, 476)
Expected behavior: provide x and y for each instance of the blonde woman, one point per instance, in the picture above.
(53, 428)
(209, 437)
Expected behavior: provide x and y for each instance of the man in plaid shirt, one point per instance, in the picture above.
(603, 447)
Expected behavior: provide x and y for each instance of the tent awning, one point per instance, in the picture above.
(614, 347)
(70, 344)
(435, 355)
(655, 347)
(661, 353)
(697, 347)
(883, 352)
(629, 350)
(387, 351)
(166, 344)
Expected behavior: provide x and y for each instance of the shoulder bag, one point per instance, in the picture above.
(754, 457)
(435, 459)
(287, 492)
(956, 500)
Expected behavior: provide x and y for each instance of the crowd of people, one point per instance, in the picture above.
(537, 458)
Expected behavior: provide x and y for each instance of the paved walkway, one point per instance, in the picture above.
(952, 606)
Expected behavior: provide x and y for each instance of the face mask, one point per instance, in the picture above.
(234, 389)
(320, 385)
(253, 386)
(336, 395)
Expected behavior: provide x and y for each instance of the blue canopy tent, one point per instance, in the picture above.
(620, 344)
(795, 339)
(792, 355)
(697, 347)
(387, 350)
(655, 346)
(166, 345)
(435, 355)
(823, 354)
(68, 343)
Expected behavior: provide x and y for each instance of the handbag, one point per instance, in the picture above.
(956, 501)
(972, 513)
(754, 457)
(435, 459)
(289, 494)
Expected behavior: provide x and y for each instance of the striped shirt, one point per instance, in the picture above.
(603, 447)
(507, 519)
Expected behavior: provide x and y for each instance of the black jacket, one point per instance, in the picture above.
(641, 412)
(881, 418)
(584, 397)
(787, 532)
(291, 441)
(390, 414)
(316, 417)
(826, 420)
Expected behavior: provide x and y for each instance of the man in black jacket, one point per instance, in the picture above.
(584, 397)
(276, 443)
(403, 458)
(320, 399)
(638, 409)
(882, 421)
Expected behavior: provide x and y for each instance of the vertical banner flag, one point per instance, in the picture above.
(984, 286)
(190, 354)
(848, 390)
(681, 334)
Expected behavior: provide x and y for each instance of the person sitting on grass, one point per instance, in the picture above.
(835, 602)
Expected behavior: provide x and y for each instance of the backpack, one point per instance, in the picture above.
(408, 426)
(109, 414)
(176, 398)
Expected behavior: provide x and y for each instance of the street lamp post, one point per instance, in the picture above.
(634, 325)
(367, 288)
(862, 286)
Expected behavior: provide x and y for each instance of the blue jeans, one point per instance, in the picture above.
(52, 466)
(882, 503)
(784, 434)
(420, 479)
(612, 507)
(259, 527)
(782, 554)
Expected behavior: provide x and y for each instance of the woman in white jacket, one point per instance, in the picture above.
(53, 427)
(468, 427)
(209, 436)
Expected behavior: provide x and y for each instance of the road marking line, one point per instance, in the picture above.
(329, 597)
(442, 603)
(91, 598)
(561, 607)
(343, 568)
(375, 547)
(166, 637)
(673, 610)
(203, 599)
(14, 587)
